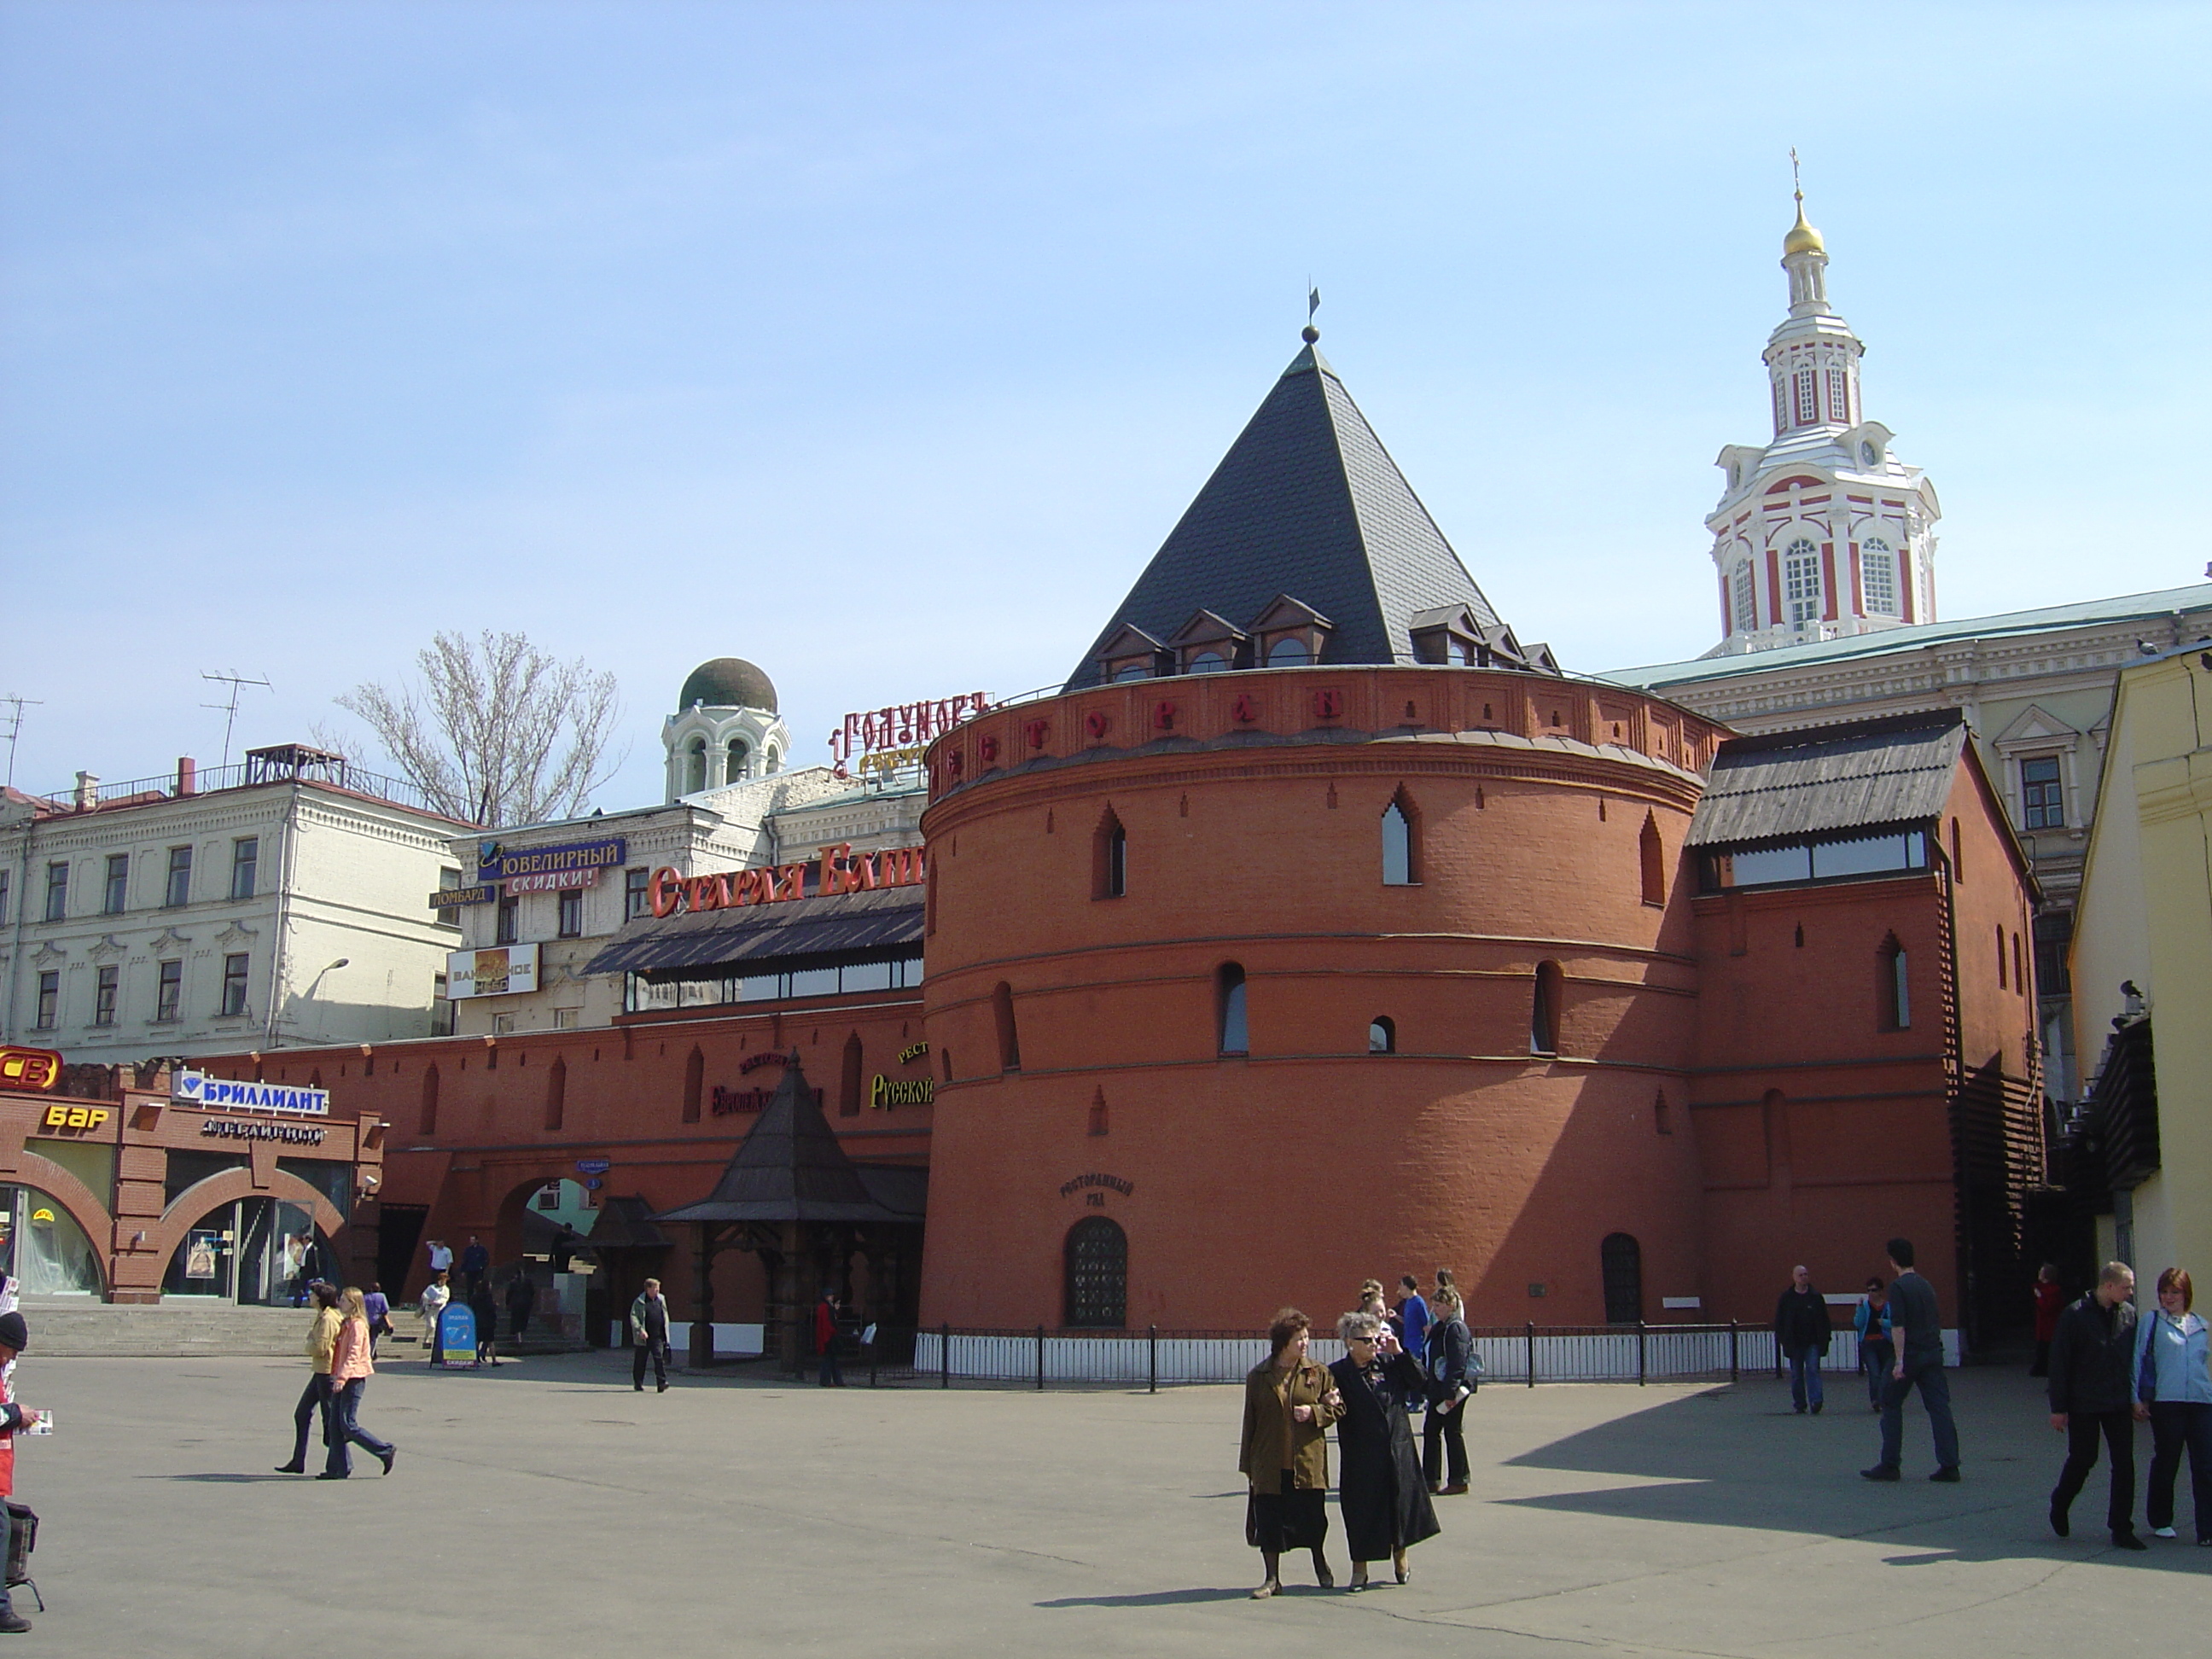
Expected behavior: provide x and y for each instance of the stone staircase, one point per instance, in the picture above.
(73, 1329)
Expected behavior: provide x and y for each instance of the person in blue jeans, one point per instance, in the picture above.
(1800, 1336)
(1877, 1352)
(1917, 1327)
(2173, 1395)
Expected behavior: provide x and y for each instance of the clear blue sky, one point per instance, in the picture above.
(881, 344)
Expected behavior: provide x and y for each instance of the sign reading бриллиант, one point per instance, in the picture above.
(196, 1089)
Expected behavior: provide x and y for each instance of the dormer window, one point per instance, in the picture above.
(1133, 655)
(1448, 636)
(1208, 644)
(1291, 633)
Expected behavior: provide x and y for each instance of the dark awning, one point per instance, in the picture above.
(818, 932)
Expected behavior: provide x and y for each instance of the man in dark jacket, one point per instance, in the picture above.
(2092, 1394)
(1801, 1334)
(476, 1262)
(1916, 1327)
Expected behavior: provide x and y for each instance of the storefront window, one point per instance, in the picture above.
(260, 1251)
(46, 1252)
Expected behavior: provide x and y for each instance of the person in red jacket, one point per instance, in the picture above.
(2050, 1303)
(14, 1419)
(825, 1339)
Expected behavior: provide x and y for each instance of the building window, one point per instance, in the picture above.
(1800, 582)
(509, 931)
(1134, 668)
(2041, 807)
(1781, 405)
(1620, 1265)
(103, 996)
(1382, 1035)
(2053, 933)
(1839, 397)
(57, 892)
(4, 896)
(694, 766)
(572, 914)
(49, 1001)
(169, 991)
(449, 916)
(1236, 1036)
(1208, 662)
(1544, 1009)
(1893, 986)
(1878, 576)
(2018, 966)
(1651, 854)
(118, 896)
(1097, 1274)
(1002, 1016)
(1289, 652)
(2004, 981)
(1399, 868)
(244, 862)
(180, 889)
(502, 1025)
(735, 759)
(1747, 599)
(635, 885)
(233, 983)
(1109, 859)
(1807, 394)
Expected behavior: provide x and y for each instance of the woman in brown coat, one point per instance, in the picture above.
(1289, 1403)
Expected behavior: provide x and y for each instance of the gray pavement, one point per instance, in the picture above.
(544, 1508)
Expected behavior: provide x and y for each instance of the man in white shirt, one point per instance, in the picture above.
(441, 1257)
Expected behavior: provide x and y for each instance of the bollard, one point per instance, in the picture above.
(1732, 1351)
(1643, 1331)
(1039, 1359)
(1152, 1358)
(1532, 1353)
(945, 1357)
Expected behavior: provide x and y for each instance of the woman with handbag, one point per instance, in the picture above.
(350, 1370)
(1452, 1380)
(1289, 1403)
(2173, 1395)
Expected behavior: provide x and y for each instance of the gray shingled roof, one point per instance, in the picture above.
(790, 1168)
(870, 927)
(1868, 776)
(1307, 502)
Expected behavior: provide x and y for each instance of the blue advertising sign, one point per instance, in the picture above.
(457, 1335)
(593, 1165)
(197, 1089)
(498, 863)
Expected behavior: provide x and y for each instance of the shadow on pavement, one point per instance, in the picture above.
(1726, 1459)
(1177, 1598)
(225, 1480)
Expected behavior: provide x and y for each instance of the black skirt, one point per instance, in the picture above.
(1295, 1518)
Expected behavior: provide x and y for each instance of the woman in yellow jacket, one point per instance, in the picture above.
(350, 1370)
(322, 1338)
(1289, 1403)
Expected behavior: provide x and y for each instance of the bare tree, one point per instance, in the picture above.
(499, 732)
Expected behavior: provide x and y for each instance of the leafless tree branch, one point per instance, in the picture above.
(499, 732)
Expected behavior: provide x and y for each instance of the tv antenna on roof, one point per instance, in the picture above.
(15, 727)
(229, 710)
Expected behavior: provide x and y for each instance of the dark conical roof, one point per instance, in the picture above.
(789, 1168)
(728, 683)
(1306, 503)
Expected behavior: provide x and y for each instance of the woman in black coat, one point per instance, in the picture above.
(1378, 1484)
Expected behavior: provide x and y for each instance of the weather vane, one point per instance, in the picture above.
(1309, 333)
(1796, 183)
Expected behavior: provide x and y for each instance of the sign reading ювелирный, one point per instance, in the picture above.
(196, 1088)
(575, 858)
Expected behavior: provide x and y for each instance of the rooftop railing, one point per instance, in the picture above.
(261, 767)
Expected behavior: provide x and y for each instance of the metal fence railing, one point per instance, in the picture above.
(1039, 1357)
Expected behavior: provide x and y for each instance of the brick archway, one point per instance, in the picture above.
(227, 1187)
(76, 1199)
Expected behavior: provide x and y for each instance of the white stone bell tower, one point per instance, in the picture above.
(1822, 532)
(726, 731)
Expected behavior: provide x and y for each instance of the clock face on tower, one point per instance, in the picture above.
(1867, 456)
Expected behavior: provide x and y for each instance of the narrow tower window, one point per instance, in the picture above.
(1109, 859)
(429, 1119)
(1652, 856)
(1878, 576)
(1230, 998)
(1746, 603)
(1893, 986)
(1839, 397)
(557, 1093)
(1002, 1016)
(736, 760)
(1382, 1035)
(1620, 1266)
(1544, 1010)
(1808, 412)
(1399, 849)
(1097, 1274)
(1801, 579)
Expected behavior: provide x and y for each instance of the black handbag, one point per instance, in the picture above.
(23, 1538)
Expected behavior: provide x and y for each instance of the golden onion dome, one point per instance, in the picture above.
(1803, 238)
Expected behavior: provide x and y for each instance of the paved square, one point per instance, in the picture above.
(544, 1508)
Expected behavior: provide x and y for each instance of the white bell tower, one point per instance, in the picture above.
(1822, 532)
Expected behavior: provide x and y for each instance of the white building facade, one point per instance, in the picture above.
(1822, 532)
(549, 895)
(277, 901)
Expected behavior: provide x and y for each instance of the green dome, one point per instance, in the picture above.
(728, 683)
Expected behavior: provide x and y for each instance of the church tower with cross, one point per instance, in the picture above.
(1821, 532)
